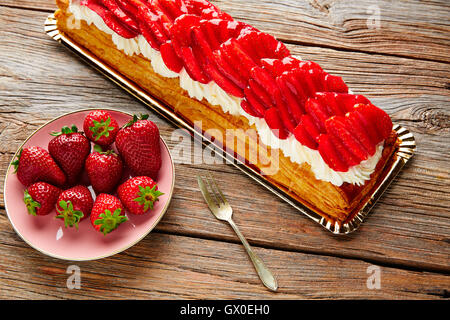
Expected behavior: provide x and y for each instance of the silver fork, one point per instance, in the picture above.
(222, 210)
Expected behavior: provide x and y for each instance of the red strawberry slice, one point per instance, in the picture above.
(128, 7)
(355, 126)
(152, 24)
(192, 66)
(342, 151)
(278, 66)
(247, 107)
(125, 18)
(348, 101)
(170, 58)
(260, 93)
(275, 123)
(335, 84)
(318, 113)
(148, 34)
(266, 81)
(172, 8)
(336, 126)
(382, 121)
(238, 57)
(228, 69)
(110, 19)
(306, 132)
(377, 123)
(329, 100)
(296, 87)
(181, 29)
(227, 85)
(254, 101)
(330, 155)
(292, 103)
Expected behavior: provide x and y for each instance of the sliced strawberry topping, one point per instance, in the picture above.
(292, 103)
(330, 154)
(254, 101)
(192, 66)
(125, 18)
(170, 58)
(110, 19)
(275, 123)
(227, 68)
(318, 113)
(336, 126)
(335, 84)
(306, 132)
(355, 126)
(227, 85)
(247, 107)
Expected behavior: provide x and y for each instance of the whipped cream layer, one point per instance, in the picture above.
(215, 95)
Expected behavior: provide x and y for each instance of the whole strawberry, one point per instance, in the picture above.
(139, 194)
(74, 205)
(104, 169)
(40, 198)
(35, 164)
(100, 127)
(70, 148)
(107, 213)
(138, 143)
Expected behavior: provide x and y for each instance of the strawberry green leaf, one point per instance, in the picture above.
(65, 130)
(30, 203)
(101, 128)
(110, 221)
(15, 163)
(70, 216)
(147, 197)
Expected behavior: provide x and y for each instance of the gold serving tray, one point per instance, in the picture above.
(404, 152)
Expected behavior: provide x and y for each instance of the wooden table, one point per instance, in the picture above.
(402, 65)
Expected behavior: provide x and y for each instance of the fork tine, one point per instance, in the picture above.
(218, 191)
(213, 191)
(206, 194)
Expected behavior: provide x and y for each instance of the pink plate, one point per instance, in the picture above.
(49, 236)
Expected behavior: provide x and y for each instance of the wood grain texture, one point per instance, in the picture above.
(408, 28)
(164, 266)
(409, 229)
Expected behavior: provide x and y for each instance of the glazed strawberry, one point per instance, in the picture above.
(138, 143)
(336, 126)
(40, 198)
(274, 121)
(104, 169)
(35, 164)
(330, 155)
(125, 18)
(100, 127)
(74, 205)
(110, 19)
(70, 148)
(170, 58)
(107, 213)
(139, 194)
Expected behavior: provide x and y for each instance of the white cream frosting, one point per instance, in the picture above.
(215, 95)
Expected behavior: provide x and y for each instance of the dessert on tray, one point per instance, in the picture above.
(298, 125)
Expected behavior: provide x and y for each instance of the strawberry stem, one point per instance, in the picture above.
(101, 128)
(70, 216)
(110, 221)
(30, 203)
(15, 163)
(147, 197)
(135, 119)
(65, 130)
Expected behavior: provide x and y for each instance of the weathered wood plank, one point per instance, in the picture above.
(417, 29)
(406, 228)
(165, 266)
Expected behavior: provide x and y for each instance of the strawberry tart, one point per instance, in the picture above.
(331, 147)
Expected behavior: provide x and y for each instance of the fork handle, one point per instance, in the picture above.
(264, 274)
